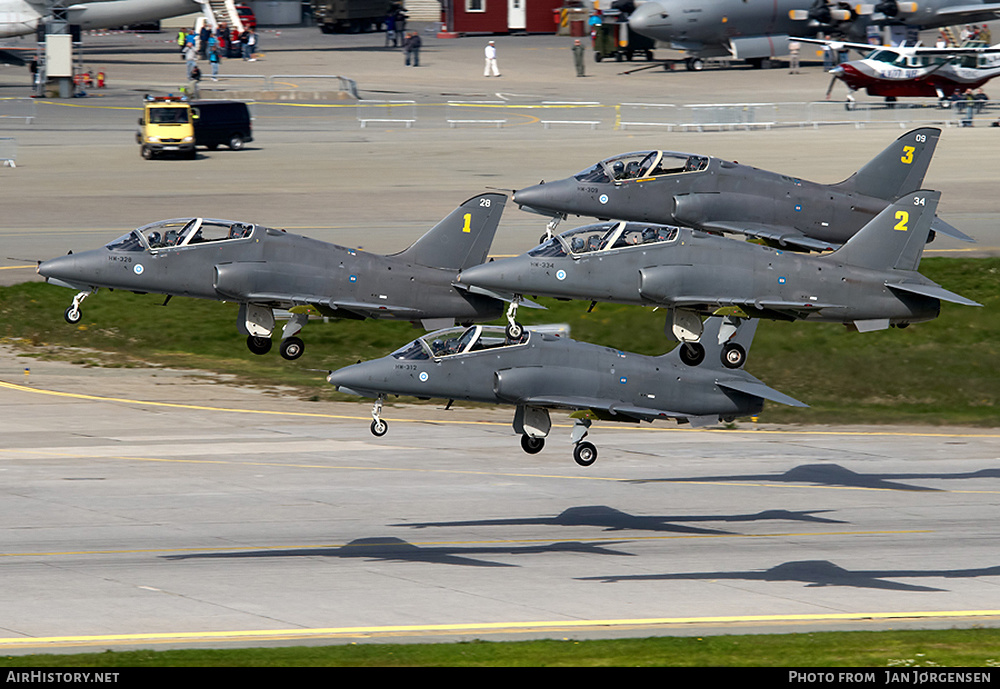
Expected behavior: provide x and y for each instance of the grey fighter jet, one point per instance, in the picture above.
(538, 371)
(870, 283)
(263, 268)
(716, 195)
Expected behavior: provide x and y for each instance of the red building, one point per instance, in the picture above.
(501, 16)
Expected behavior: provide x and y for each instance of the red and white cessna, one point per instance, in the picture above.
(914, 71)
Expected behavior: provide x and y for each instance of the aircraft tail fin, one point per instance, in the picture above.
(895, 238)
(898, 169)
(463, 238)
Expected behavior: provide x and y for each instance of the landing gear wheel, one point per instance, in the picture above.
(379, 428)
(585, 453)
(532, 445)
(258, 345)
(733, 355)
(291, 348)
(514, 330)
(694, 64)
(73, 315)
(692, 353)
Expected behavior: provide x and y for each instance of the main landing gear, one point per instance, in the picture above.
(686, 326)
(533, 424)
(258, 323)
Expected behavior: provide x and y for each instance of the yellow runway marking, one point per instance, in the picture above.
(271, 412)
(410, 630)
(506, 542)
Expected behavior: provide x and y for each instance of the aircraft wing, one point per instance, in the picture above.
(958, 13)
(758, 389)
(775, 233)
(371, 310)
(331, 307)
(770, 308)
(501, 296)
(837, 45)
(602, 405)
(934, 291)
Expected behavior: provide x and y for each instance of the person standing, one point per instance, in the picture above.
(411, 46)
(491, 60)
(191, 57)
(578, 55)
(793, 56)
(213, 59)
(390, 30)
(251, 45)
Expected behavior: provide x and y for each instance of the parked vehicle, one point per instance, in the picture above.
(221, 122)
(166, 127)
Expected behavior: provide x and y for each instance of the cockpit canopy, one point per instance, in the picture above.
(182, 232)
(605, 236)
(642, 165)
(458, 340)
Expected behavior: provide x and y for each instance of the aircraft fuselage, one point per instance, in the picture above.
(544, 366)
(273, 268)
(723, 193)
(699, 271)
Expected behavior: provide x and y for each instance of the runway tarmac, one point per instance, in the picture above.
(150, 507)
(147, 507)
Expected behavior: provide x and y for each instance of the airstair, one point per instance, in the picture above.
(221, 12)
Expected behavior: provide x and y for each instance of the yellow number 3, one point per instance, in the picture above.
(908, 154)
(903, 217)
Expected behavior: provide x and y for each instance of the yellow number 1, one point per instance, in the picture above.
(903, 217)
(908, 154)
(468, 222)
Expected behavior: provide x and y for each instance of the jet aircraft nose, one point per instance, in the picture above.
(357, 379)
(547, 198)
(649, 16)
(497, 275)
(71, 270)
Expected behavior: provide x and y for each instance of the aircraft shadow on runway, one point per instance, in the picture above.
(815, 573)
(611, 519)
(836, 475)
(395, 549)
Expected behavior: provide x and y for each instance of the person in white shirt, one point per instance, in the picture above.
(491, 60)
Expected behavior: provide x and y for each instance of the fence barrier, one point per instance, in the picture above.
(8, 151)
(460, 112)
(17, 108)
(387, 112)
(566, 112)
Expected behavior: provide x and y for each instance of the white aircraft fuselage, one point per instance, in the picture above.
(22, 17)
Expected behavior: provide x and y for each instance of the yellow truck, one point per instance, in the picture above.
(166, 126)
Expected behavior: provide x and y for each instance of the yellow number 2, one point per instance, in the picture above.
(907, 154)
(468, 222)
(903, 217)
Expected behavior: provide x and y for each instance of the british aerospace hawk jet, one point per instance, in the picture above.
(870, 283)
(262, 269)
(717, 195)
(539, 371)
